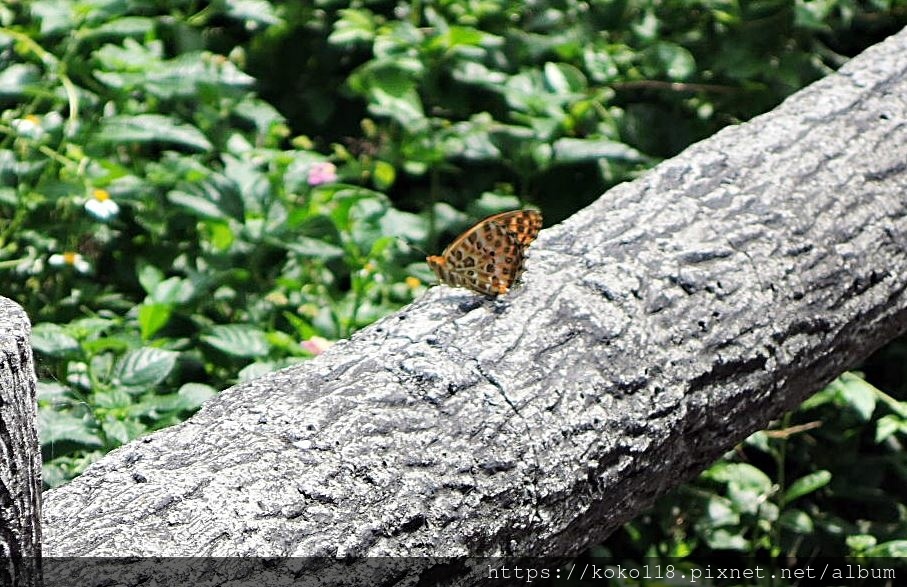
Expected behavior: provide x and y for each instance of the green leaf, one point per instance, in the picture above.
(345, 203)
(857, 393)
(311, 247)
(889, 424)
(151, 128)
(892, 549)
(353, 26)
(113, 399)
(555, 79)
(600, 65)
(17, 78)
(149, 276)
(55, 427)
(807, 484)
(238, 340)
(673, 61)
(723, 539)
(193, 395)
(745, 499)
(157, 406)
(719, 512)
(259, 112)
(391, 92)
(56, 16)
(768, 512)
(491, 203)
(797, 521)
(472, 140)
(51, 339)
(137, 67)
(406, 225)
(447, 217)
(8, 195)
(646, 28)
(126, 26)
(899, 408)
(470, 72)
(259, 368)
(459, 35)
(89, 327)
(141, 369)
(51, 391)
(569, 150)
(563, 78)
(153, 317)
(131, 55)
(860, 542)
(58, 471)
(246, 11)
(303, 329)
(759, 440)
(820, 398)
(384, 175)
(220, 234)
(742, 474)
(812, 14)
(118, 344)
(117, 431)
(200, 206)
(366, 216)
(173, 291)
(101, 365)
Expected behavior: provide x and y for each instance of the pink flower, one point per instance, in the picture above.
(322, 173)
(316, 345)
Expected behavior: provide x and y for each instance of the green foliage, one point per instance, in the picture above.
(504, 95)
(779, 494)
(162, 228)
(194, 194)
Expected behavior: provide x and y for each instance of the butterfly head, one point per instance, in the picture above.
(436, 262)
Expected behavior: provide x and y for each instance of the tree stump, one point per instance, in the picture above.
(20, 454)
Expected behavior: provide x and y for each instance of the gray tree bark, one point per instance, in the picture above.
(20, 454)
(653, 331)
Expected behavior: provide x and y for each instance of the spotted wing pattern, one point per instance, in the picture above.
(488, 258)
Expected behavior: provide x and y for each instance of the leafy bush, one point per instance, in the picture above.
(161, 234)
(193, 194)
(780, 494)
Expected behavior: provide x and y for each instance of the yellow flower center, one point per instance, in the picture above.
(101, 195)
(70, 258)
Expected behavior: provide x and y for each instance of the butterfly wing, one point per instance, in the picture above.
(524, 225)
(488, 258)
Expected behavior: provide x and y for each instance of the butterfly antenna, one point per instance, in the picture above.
(410, 245)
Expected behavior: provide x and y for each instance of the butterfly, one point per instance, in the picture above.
(488, 258)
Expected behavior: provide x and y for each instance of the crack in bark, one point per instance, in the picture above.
(534, 471)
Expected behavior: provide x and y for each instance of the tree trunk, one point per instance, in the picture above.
(20, 463)
(653, 331)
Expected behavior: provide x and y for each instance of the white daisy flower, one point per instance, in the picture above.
(100, 205)
(74, 260)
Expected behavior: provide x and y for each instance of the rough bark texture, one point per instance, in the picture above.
(20, 455)
(653, 331)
